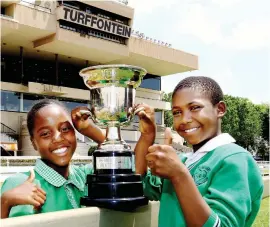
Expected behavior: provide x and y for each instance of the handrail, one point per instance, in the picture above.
(7, 16)
(36, 5)
(3, 127)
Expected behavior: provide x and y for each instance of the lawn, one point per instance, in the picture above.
(262, 219)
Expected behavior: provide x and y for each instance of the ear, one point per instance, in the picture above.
(33, 143)
(221, 109)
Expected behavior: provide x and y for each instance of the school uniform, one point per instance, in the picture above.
(61, 193)
(228, 179)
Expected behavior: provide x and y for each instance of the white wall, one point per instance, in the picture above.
(146, 216)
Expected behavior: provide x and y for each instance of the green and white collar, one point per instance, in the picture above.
(54, 178)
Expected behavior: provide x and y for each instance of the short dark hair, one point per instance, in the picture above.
(36, 107)
(208, 86)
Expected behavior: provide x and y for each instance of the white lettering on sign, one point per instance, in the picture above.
(93, 21)
(114, 162)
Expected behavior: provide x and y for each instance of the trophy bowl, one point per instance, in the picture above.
(113, 184)
(112, 92)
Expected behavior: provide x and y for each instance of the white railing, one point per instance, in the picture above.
(263, 162)
(141, 35)
(125, 2)
(36, 6)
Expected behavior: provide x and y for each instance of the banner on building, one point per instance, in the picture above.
(93, 21)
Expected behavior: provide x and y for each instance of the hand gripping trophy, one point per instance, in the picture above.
(113, 184)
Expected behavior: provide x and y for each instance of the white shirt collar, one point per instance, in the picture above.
(220, 140)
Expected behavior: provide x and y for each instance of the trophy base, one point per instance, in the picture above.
(123, 192)
(119, 204)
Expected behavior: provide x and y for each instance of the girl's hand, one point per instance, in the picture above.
(27, 193)
(81, 121)
(147, 125)
(163, 160)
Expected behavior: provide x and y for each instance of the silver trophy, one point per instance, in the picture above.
(113, 183)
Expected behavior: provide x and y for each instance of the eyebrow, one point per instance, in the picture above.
(60, 124)
(65, 122)
(42, 128)
(190, 103)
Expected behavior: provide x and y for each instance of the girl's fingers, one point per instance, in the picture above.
(38, 199)
(153, 148)
(34, 202)
(150, 157)
(41, 195)
(41, 191)
(151, 165)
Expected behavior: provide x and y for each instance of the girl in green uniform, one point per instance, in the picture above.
(55, 184)
(217, 185)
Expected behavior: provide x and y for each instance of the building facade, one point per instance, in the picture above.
(44, 44)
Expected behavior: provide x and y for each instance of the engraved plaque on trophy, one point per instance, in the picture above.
(113, 184)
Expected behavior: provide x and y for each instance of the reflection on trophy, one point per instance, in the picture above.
(113, 184)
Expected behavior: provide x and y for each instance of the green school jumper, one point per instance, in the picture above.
(61, 193)
(230, 182)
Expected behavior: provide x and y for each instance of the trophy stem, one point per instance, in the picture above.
(113, 133)
(113, 140)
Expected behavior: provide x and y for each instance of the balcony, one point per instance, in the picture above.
(112, 6)
(33, 26)
(157, 59)
(6, 3)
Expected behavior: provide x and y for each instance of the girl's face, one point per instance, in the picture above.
(54, 136)
(196, 119)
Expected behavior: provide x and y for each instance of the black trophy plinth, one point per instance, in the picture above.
(114, 185)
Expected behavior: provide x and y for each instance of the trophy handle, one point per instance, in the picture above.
(138, 110)
(87, 112)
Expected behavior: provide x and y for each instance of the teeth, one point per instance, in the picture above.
(191, 130)
(60, 150)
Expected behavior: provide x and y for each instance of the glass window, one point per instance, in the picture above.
(151, 82)
(29, 100)
(158, 117)
(10, 101)
(71, 104)
(39, 71)
(11, 69)
(69, 76)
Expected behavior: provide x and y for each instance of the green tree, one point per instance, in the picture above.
(249, 123)
(261, 147)
(230, 121)
(168, 117)
(263, 109)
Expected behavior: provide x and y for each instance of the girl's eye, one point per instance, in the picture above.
(45, 134)
(176, 112)
(65, 129)
(194, 108)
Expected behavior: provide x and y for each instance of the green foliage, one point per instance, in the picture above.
(230, 122)
(168, 117)
(264, 112)
(91, 150)
(242, 120)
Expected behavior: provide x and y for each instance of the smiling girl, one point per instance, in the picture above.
(220, 183)
(54, 184)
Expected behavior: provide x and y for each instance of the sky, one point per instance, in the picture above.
(230, 37)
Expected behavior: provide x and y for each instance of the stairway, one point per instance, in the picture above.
(8, 141)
